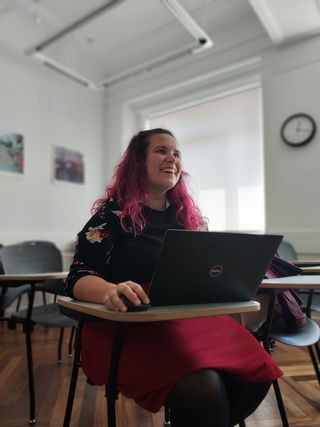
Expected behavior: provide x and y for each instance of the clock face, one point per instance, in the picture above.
(298, 129)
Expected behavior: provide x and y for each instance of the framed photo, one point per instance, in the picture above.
(11, 153)
(68, 165)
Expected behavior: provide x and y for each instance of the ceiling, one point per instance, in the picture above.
(98, 43)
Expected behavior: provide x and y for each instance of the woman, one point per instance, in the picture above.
(209, 371)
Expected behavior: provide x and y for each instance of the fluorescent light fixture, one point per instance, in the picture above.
(147, 66)
(56, 66)
(190, 24)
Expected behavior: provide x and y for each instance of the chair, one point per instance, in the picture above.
(8, 295)
(287, 251)
(274, 330)
(311, 299)
(55, 287)
(36, 257)
(111, 392)
(39, 256)
(311, 305)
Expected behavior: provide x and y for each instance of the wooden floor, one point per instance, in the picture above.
(299, 386)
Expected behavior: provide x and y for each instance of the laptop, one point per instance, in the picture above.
(201, 267)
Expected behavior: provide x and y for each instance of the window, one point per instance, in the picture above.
(221, 147)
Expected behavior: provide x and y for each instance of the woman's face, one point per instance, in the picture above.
(163, 163)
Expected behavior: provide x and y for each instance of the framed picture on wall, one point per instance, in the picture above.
(11, 153)
(68, 166)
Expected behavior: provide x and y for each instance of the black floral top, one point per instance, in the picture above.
(104, 249)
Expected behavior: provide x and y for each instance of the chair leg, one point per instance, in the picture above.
(32, 418)
(167, 421)
(314, 362)
(44, 298)
(27, 330)
(111, 405)
(73, 329)
(74, 378)
(242, 423)
(111, 387)
(317, 346)
(60, 345)
(281, 407)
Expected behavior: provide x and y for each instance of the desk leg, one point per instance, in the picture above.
(28, 328)
(111, 387)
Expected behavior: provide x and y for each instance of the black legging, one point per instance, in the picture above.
(208, 398)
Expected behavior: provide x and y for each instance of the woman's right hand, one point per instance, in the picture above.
(132, 290)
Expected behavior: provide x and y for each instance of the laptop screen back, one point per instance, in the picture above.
(196, 267)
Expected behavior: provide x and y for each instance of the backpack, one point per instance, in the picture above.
(288, 304)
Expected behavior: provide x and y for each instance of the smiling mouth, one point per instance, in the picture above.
(169, 171)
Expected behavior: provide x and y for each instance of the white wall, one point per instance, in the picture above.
(48, 109)
(291, 84)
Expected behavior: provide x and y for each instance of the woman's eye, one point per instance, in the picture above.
(161, 151)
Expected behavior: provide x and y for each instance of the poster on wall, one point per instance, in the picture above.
(11, 153)
(68, 165)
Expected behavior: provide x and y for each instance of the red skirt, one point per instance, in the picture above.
(155, 355)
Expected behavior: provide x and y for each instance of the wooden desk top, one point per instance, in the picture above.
(305, 262)
(33, 277)
(293, 282)
(311, 269)
(160, 313)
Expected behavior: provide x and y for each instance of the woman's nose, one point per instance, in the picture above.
(171, 158)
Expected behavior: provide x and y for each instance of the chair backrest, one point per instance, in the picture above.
(287, 251)
(31, 257)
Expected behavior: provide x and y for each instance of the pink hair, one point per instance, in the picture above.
(128, 188)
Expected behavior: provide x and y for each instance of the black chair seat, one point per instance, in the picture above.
(11, 294)
(47, 315)
(55, 287)
(308, 335)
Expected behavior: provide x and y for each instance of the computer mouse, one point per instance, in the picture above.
(132, 307)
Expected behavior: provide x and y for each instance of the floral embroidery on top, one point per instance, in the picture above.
(96, 234)
(77, 262)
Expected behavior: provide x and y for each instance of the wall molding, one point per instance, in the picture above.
(221, 82)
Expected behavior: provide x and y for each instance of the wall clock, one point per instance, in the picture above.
(298, 129)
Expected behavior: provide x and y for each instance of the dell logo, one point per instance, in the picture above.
(216, 270)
